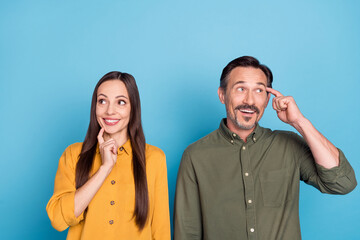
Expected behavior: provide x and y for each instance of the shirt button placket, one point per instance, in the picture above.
(248, 191)
(111, 222)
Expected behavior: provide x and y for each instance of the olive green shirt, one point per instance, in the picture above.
(228, 189)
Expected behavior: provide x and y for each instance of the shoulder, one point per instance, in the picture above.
(151, 150)
(286, 135)
(74, 148)
(71, 153)
(211, 141)
(154, 155)
(288, 140)
(268, 133)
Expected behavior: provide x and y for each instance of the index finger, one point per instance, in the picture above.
(100, 136)
(274, 92)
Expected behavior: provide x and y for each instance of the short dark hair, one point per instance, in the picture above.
(245, 61)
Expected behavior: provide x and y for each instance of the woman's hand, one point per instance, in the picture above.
(84, 194)
(108, 150)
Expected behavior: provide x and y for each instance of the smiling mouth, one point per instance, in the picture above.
(247, 111)
(110, 122)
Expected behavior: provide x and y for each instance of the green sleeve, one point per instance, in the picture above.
(187, 213)
(337, 180)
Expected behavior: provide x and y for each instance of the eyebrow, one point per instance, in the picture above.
(120, 96)
(258, 83)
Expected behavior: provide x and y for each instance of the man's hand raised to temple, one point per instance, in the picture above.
(286, 108)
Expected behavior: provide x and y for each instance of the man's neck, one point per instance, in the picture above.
(242, 133)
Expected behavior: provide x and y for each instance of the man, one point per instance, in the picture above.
(242, 181)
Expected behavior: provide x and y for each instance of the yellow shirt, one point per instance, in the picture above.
(110, 212)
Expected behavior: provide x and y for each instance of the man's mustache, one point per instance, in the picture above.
(246, 106)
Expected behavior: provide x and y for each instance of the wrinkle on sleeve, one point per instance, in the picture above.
(160, 225)
(60, 207)
(340, 179)
(337, 180)
(187, 213)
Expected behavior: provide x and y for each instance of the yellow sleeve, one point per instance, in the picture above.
(60, 207)
(160, 225)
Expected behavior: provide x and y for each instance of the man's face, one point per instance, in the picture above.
(245, 97)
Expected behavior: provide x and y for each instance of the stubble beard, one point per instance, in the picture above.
(236, 122)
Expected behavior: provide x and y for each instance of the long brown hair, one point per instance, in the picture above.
(137, 139)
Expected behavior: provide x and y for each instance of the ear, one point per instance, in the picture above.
(221, 93)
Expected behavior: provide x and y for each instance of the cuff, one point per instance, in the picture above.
(68, 210)
(332, 174)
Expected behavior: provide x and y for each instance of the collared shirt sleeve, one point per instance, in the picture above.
(187, 214)
(160, 225)
(60, 207)
(337, 180)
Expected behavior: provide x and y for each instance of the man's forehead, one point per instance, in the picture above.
(245, 75)
(248, 83)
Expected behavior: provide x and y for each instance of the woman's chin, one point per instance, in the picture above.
(109, 131)
(112, 131)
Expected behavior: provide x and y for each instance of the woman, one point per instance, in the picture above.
(113, 185)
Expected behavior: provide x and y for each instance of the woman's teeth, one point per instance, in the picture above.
(111, 120)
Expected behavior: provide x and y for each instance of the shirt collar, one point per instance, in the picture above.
(232, 137)
(126, 147)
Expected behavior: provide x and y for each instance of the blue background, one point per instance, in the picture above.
(52, 53)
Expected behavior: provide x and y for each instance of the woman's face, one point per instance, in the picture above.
(113, 107)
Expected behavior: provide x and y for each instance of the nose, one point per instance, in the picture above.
(249, 98)
(110, 109)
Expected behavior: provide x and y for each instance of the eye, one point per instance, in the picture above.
(121, 102)
(102, 101)
(259, 90)
(240, 89)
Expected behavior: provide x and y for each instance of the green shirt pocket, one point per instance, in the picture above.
(274, 186)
